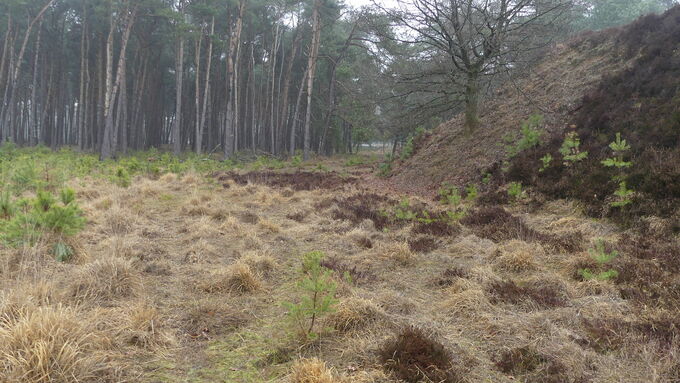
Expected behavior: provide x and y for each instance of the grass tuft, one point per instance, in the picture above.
(312, 371)
(105, 280)
(49, 345)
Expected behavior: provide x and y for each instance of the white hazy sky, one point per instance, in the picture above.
(360, 3)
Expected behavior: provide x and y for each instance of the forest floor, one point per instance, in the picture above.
(182, 278)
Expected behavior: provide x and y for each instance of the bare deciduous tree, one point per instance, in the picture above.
(469, 41)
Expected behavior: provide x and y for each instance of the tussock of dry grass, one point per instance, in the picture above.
(458, 285)
(312, 371)
(519, 256)
(201, 251)
(49, 345)
(146, 328)
(361, 237)
(262, 263)
(195, 209)
(168, 178)
(191, 178)
(146, 188)
(473, 246)
(400, 252)
(354, 314)
(468, 302)
(201, 228)
(118, 221)
(105, 280)
(238, 278)
(268, 226)
(25, 297)
(209, 317)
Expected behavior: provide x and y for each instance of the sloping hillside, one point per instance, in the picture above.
(623, 79)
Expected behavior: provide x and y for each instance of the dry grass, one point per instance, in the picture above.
(50, 345)
(312, 371)
(519, 256)
(262, 262)
(146, 328)
(168, 178)
(483, 300)
(268, 226)
(400, 252)
(468, 302)
(211, 317)
(105, 280)
(238, 278)
(354, 314)
(118, 220)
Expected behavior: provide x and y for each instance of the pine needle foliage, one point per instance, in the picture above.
(318, 297)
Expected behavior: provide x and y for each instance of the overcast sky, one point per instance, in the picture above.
(359, 3)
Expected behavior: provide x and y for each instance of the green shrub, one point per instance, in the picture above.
(602, 258)
(486, 178)
(449, 195)
(403, 211)
(471, 192)
(319, 299)
(25, 176)
(515, 190)
(67, 196)
(409, 146)
(7, 208)
(545, 162)
(619, 147)
(570, 149)
(355, 161)
(385, 168)
(31, 219)
(530, 136)
(62, 252)
(296, 161)
(623, 194)
(122, 178)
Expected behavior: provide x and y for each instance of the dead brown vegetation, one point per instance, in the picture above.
(413, 356)
(296, 181)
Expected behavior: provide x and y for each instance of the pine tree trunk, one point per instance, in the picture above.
(296, 114)
(107, 150)
(179, 72)
(206, 91)
(228, 140)
(10, 132)
(313, 53)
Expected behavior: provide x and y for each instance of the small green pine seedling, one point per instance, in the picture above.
(62, 252)
(43, 201)
(570, 149)
(471, 192)
(588, 275)
(602, 257)
(7, 208)
(456, 215)
(515, 190)
(545, 162)
(623, 195)
(67, 196)
(486, 178)
(319, 298)
(530, 135)
(619, 147)
(600, 254)
(122, 177)
(296, 161)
